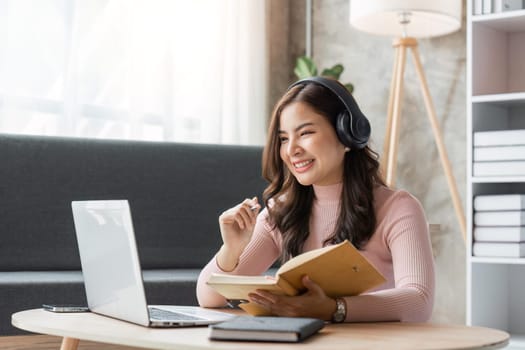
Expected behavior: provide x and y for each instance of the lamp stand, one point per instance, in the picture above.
(393, 120)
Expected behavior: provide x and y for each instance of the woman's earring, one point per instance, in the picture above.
(347, 149)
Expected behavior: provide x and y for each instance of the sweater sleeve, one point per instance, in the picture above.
(411, 299)
(258, 256)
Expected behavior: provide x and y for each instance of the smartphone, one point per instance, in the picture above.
(65, 308)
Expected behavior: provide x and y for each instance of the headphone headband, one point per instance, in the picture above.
(353, 128)
(331, 85)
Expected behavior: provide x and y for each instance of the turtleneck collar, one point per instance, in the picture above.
(328, 193)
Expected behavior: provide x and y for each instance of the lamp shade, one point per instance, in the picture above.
(425, 18)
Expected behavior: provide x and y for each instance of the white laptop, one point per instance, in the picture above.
(112, 273)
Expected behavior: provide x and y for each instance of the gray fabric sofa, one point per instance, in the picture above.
(176, 192)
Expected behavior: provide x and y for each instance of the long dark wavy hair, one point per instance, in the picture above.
(291, 204)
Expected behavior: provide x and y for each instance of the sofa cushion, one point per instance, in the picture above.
(176, 193)
(23, 290)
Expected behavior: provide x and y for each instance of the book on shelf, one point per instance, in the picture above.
(499, 234)
(499, 138)
(499, 153)
(340, 270)
(499, 218)
(496, 249)
(504, 168)
(478, 7)
(507, 5)
(487, 6)
(499, 202)
(265, 328)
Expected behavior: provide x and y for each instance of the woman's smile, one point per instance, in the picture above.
(303, 166)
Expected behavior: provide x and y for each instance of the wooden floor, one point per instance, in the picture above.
(47, 342)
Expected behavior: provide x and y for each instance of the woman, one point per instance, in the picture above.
(325, 187)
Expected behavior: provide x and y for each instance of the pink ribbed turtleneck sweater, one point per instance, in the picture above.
(399, 248)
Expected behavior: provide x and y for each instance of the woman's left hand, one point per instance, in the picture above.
(313, 303)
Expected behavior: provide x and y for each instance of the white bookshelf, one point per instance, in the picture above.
(505, 99)
(495, 101)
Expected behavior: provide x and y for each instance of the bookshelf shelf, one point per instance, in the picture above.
(512, 21)
(495, 102)
(508, 99)
(510, 261)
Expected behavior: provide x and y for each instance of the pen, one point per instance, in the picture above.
(254, 208)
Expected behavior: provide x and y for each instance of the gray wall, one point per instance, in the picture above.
(368, 62)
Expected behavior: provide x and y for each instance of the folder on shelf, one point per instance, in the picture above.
(502, 250)
(499, 153)
(499, 138)
(500, 218)
(499, 234)
(499, 202)
(505, 168)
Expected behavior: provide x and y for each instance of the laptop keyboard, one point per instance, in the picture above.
(161, 315)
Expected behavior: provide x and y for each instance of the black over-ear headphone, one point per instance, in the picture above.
(351, 126)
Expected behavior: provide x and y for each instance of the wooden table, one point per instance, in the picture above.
(388, 335)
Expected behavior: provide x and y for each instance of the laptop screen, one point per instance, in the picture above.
(109, 259)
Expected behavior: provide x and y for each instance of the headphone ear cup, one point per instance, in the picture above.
(343, 130)
(361, 132)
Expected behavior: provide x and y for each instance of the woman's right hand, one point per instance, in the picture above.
(236, 225)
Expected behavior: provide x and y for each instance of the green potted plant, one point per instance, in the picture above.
(305, 67)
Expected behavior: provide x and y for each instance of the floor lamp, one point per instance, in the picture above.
(406, 20)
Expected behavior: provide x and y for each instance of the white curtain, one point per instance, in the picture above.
(186, 71)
